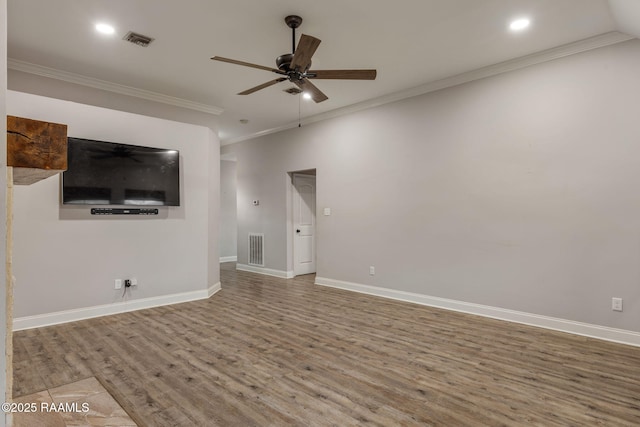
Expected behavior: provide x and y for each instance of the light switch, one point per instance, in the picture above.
(327, 211)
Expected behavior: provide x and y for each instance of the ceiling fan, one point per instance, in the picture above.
(295, 66)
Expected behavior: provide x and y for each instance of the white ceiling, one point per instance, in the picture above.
(409, 42)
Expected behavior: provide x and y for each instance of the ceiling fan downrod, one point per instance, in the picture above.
(293, 22)
(293, 41)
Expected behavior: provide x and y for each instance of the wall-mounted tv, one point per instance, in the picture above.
(107, 173)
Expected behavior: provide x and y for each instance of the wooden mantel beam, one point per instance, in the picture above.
(35, 149)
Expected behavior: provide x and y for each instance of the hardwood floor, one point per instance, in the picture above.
(273, 352)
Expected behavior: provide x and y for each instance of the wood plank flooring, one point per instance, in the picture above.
(273, 352)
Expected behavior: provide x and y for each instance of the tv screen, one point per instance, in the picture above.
(107, 173)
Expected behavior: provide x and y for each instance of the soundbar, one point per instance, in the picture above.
(123, 211)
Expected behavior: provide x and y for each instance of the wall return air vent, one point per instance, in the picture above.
(256, 249)
(137, 39)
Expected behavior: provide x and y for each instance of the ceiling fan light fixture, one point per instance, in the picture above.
(520, 24)
(306, 95)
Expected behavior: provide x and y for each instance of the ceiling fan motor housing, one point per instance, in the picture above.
(283, 62)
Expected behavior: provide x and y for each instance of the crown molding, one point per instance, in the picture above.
(585, 45)
(79, 79)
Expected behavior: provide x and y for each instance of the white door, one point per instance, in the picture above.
(304, 224)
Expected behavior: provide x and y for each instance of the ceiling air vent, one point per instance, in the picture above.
(138, 39)
(292, 90)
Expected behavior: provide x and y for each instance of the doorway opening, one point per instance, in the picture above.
(303, 222)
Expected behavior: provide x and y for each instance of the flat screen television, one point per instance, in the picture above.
(107, 173)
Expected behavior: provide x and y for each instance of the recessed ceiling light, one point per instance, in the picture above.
(105, 28)
(306, 95)
(520, 24)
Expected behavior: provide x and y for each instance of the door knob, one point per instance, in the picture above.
(297, 230)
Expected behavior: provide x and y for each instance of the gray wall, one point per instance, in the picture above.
(213, 210)
(516, 191)
(66, 259)
(228, 209)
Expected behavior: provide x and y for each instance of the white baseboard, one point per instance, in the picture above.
(213, 289)
(585, 329)
(265, 271)
(228, 258)
(48, 319)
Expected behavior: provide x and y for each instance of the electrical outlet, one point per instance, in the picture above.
(372, 271)
(134, 282)
(118, 283)
(616, 304)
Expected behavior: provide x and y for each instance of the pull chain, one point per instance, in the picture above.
(299, 109)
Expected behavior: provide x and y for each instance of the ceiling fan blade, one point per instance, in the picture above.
(343, 74)
(262, 86)
(247, 64)
(307, 86)
(306, 48)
